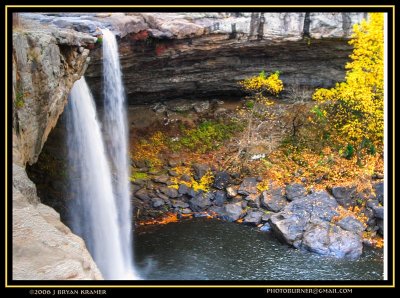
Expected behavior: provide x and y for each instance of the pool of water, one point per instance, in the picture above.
(204, 249)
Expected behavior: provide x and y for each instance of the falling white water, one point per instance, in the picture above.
(115, 129)
(93, 214)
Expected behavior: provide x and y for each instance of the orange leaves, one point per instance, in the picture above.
(167, 218)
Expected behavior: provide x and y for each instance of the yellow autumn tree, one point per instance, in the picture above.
(353, 109)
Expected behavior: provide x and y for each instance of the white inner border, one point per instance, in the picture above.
(385, 150)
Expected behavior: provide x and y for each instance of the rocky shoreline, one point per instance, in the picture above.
(315, 220)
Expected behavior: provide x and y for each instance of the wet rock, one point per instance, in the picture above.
(200, 170)
(174, 163)
(200, 202)
(231, 192)
(161, 196)
(372, 203)
(306, 223)
(248, 186)
(164, 179)
(139, 182)
(266, 216)
(173, 173)
(349, 223)
(295, 191)
(253, 200)
(140, 164)
(325, 239)
(273, 199)
(183, 189)
(379, 223)
(265, 228)
(170, 192)
(186, 178)
(232, 212)
(345, 195)
(179, 204)
(157, 202)
(253, 217)
(219, 198)
(378, 212)
(378, 189)
(221, 180)
(142, 194)
(291, 222)
(185, 211)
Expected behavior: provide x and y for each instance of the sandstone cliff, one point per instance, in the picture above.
(45, 62)
(203, 55)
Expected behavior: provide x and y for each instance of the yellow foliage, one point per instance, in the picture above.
(262, 186)
(355, 107)
(149, 150)
(260, 83)
(204, 184)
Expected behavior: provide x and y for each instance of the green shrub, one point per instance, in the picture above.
(138, 176)
(207, 136)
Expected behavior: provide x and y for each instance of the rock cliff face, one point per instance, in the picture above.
(45, 62)
(204, 55)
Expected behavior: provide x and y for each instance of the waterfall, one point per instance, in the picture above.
(93, 211)
(115, 130)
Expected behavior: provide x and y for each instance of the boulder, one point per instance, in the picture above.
(266, 216)
(253, 200)
(378, 189)
(349, 223)
(179, 204)
(170, 192)
(157, 202)
(164, 179)
(273, 199)
(233, 211)
(200, 202)
(183, 189)
(231, 192)
(219, 198)
(265, 228)
(142, 194)
(253, 217)
(326, 239)
(379, 223)
(295, 191)
(221, 180)
(378, 212)
(345, 195)
(291, 222)
(173, 173)
(200, 170)
(248, 186)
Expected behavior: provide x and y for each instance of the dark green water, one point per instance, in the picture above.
(203, 249)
